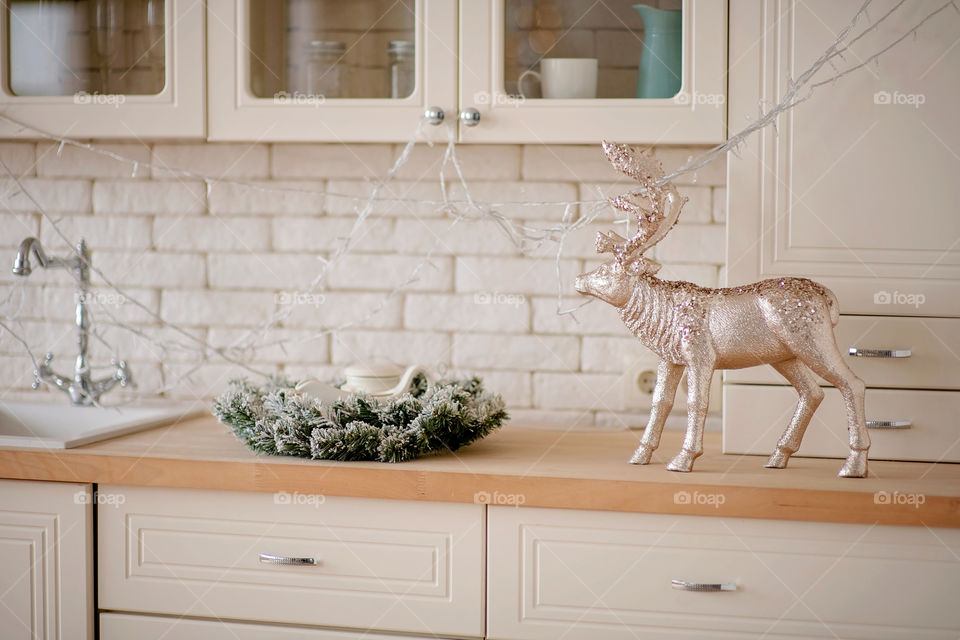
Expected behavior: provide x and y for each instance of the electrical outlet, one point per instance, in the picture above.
(640, 380)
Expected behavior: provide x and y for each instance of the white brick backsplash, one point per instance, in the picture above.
(720, 204)
(712, 175)
(515, 387)
(331, 309)
(54, 195)
(530, 352)
(596, 318)
(397, 198)
(330, 160)
(278, 197)
(74, 162)
(386, 272)
(404, 347)
(218, 160)
(466, 237)
(17, 226)
(278, 272)
(220, 264)
(573, 163)
(144, 197)
(614, 354)
(694, 243)
(704, 275)
(514, 275)
(19, 157)
(464, 313)
(211, 233)
(282, 345)
(322, 233)
(595, 391)
(477, 161)
(552, 419)
(216, 308)
(149, 269)
(100, 232)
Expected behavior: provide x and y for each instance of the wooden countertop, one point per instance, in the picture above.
(539, 467)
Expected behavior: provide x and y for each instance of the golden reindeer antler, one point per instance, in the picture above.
(656, 207)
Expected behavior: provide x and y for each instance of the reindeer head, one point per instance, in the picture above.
(655, 207)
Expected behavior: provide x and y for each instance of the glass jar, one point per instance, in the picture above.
(325, 68)
(402, 73)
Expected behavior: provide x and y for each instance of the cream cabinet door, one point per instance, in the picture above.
(46, 561)
(68, 69)
(856, 187)
(695, 115)
(258, 53)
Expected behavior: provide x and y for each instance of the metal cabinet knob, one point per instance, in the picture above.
(434, 115)
(879, 353)
(470, 117)
(684, 585)
(269, 558)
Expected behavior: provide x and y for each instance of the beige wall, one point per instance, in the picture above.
(219, 262)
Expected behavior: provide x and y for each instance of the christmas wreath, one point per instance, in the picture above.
(277, 420)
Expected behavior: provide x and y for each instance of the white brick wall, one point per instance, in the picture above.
(220, 260)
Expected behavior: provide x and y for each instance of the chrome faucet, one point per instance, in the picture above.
(82, 388)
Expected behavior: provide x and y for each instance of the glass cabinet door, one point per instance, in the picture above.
(357, 70)
(104, 68)
(578, 71)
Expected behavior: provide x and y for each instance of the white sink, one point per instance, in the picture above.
(61, 426)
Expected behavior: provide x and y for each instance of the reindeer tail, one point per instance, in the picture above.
(834, 305)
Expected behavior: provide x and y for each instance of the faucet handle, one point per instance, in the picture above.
(123, 375)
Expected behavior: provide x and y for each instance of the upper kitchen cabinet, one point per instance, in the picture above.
(329, 70)
(856, 187)
(554, 71)
(103, 68)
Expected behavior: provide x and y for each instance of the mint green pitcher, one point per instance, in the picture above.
(658, 75)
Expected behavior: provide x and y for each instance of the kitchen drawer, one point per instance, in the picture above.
(380, 564)
(125, 626)
(604, 575)
(934, 361)
(755, 416)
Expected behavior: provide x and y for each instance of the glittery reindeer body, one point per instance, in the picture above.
(786, 322)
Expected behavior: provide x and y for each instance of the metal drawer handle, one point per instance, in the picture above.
(889, 424)
(879, 353)
(683, 585)
(269, 558)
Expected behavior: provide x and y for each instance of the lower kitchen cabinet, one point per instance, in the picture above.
(46, 560)
(384, 565)
(603, 575)
(125, 626)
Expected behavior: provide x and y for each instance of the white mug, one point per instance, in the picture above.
(564, 78)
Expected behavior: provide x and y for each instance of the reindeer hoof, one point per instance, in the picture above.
(778, 460)
(641, 455)
(683, 461)
(855, 465)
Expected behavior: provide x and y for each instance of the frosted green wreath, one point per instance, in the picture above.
(276, 420)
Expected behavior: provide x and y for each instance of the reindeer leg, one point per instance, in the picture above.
(668, 378)
(829, 364)
(807, 385)
(698, 400)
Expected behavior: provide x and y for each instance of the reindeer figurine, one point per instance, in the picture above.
(785, 322)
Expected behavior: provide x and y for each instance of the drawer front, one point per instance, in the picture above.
(603, 575)
(125, 626)
(380, 564)
(934, 345)
(755, 416)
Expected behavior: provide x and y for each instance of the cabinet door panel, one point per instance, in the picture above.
(603, 575)
(856, 186)
(284, 109)
(46, 555)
